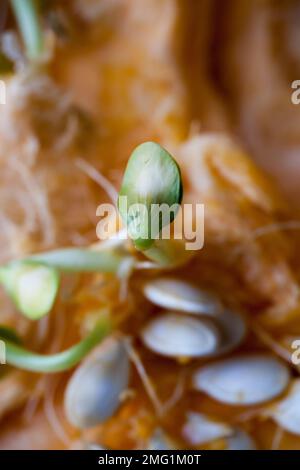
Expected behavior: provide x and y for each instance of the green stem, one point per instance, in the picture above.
(26, 12)
(80, 260)
(27, 360)
(168, 253)
(159, 255)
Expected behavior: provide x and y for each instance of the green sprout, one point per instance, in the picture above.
(81, 260)
(151, 188)
(27, 16)
(32, 287)
(23, 359)
(33, 282)
(152, 179)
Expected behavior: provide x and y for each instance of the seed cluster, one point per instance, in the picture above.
(198, 332)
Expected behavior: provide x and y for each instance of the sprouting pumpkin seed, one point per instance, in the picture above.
(32, 287)
(152, 179)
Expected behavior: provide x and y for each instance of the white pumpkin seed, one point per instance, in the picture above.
(243, 380)
(200, 429)
(286, 413)
(233, 329)
(240, 441)
(175, 294)
(94, 390)
(175, 335)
